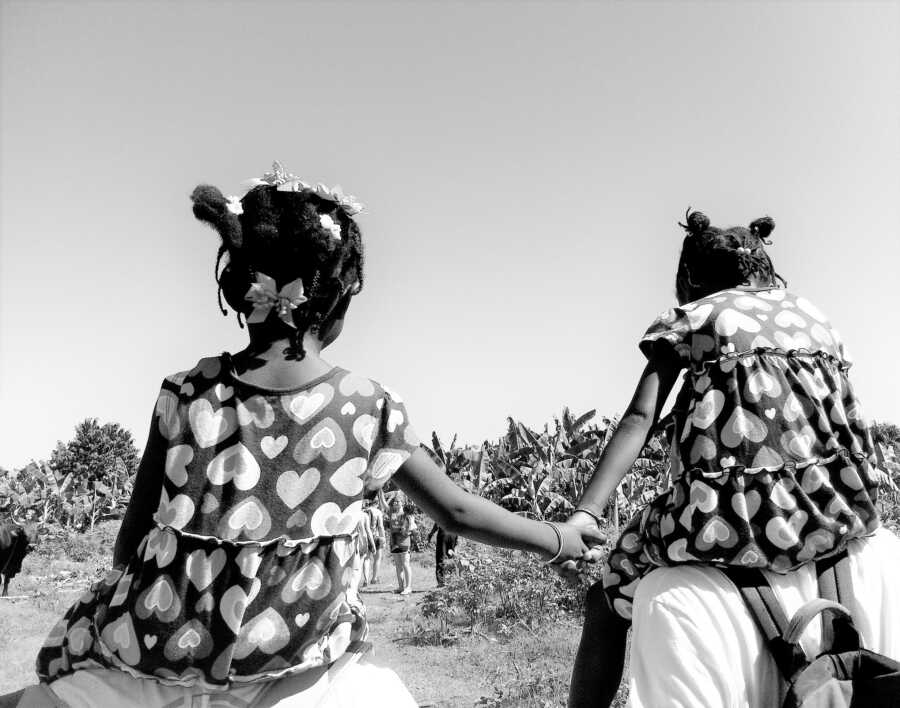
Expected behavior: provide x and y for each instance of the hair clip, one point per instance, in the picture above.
(285, 181)
(265, 297)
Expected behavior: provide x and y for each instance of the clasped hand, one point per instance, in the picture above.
(582, 543)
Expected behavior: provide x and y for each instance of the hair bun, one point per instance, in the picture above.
(762, 227)
(696, 222)
(211, 206)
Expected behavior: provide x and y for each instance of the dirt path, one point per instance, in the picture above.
(434, 675)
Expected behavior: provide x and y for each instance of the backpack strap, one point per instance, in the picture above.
(838, 632)
(769, 616)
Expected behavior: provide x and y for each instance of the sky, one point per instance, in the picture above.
(524, 166)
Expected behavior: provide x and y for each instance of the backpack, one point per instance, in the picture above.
(844, 675)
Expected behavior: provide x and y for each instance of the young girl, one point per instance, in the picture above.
(772, 459)
(234, 563)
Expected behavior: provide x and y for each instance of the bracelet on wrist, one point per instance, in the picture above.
(558, 539)
(590, 513)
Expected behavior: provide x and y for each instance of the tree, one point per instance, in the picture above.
(98, 467)
(92, 454)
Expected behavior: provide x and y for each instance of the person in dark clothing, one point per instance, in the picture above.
(15, 543)
(445, 547)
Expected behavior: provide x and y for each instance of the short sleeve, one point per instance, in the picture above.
(670, 335)
(394, 442)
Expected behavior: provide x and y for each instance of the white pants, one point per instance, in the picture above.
(346, 684)
(695, 645)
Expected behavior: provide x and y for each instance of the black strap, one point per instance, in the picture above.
(838, 633)
(769, 617)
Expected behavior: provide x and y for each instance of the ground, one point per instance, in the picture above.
(522, 670)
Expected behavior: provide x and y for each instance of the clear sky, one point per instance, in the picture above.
(524, 166)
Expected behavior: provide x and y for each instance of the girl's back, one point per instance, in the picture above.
(253, 551)
(767, 384)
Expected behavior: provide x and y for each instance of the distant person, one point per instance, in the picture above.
(231, 565)
(16, 542)
(365, 546)
(401, 523)
(444, 549)
(774, 461)
(376, 523)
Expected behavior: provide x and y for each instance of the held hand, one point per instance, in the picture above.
(584, 520)
(578, 541)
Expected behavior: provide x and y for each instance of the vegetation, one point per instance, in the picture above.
(87, 479)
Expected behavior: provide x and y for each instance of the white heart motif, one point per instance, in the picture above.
(347, 477)
(789, 318)
(329, 520)
(743, 425)
(386, 462)
(234, 464)
(364, 431)
(293, 488)
(177, 459)
(255, 410)
(273, 447)
(302, 406)
(167, 410)
(759, 383)
(211, 427)
(730, 321)
(223, 392)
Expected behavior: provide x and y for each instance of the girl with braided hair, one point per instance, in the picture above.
(772, 465)
(235, 569)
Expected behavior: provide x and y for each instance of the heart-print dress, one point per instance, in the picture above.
(246, 574)
(773, 461)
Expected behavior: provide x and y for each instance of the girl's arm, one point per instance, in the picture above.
(138, 519)
(631, 435)
(459, 512)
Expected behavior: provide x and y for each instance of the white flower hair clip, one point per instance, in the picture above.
(234, 205)
(331, 225)
(286, 182)
(266, 297)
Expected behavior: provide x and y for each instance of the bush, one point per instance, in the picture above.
(495, 590)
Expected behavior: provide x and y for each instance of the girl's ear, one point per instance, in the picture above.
(762, 228)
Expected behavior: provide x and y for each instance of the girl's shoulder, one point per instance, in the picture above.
(739, 320)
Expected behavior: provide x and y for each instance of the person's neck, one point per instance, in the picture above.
(265, 362)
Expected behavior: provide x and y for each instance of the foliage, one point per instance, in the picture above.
(87, 479)
(496, 591)
(886, 433)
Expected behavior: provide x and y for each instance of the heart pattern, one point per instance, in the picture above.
(303, 406)
(202, 568)
(209, 426)
(267, 632)
(168, 417)
(292, 488)
(191, 641)
(765, 429)
(160, 599)
(325, 439)
(348, 478)
(255, 410)
(272, 447)
(177, 460)
(311, 580)
(234, 464)
(248, 518)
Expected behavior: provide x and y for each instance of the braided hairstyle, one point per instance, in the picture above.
(714, 259)
(281, 235)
